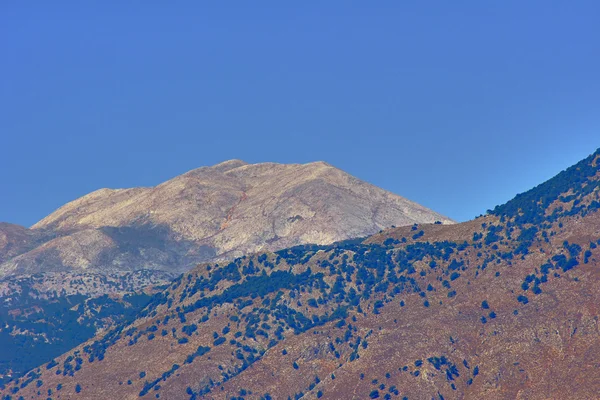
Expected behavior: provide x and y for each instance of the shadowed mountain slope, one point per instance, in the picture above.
(14, 240)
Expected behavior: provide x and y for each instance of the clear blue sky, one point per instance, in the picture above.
(457, 105)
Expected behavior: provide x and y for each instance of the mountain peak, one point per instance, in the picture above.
(215, 213)
(228, 165)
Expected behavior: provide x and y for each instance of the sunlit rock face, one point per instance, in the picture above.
(210, 213)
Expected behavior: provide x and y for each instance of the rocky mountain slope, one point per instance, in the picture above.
(502, 307)
(44, 315)
(211, 213)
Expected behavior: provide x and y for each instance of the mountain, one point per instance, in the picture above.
(92, 263)
(208, 214)
(501, 307)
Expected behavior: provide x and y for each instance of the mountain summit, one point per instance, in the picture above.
(210, 213)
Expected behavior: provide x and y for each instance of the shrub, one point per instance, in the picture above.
(219, 341)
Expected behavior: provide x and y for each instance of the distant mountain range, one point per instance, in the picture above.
(501, 307)
(208, 214)
(95, 260)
